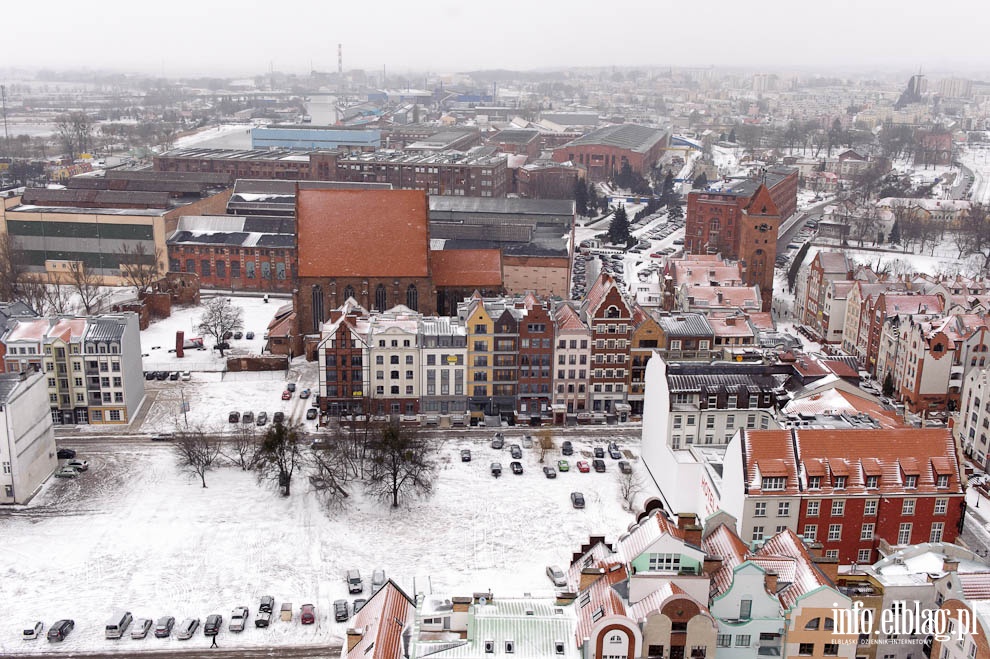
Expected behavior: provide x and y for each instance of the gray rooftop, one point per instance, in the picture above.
(685, 324)
(449, 204)
(623, 136)
(100, 328)
(8, 383)
(516, 136)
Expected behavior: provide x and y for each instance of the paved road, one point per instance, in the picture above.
(310, 652)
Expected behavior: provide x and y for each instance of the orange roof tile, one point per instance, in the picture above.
(466, 267)
(362, 233)
(382, 620)
(599, 600)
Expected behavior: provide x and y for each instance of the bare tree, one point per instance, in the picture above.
(75, 131)
(12, 267)
(220, 318)
(243, 447)
(975, 229)
(32, 291)
(197, 451)
(281, 455)
(86, 285)
(630, 487)
(544, 438)
(401, 464)
(138, 267)
(332, 473)
(57, 297)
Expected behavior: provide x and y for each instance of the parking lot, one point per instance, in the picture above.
(135, 533)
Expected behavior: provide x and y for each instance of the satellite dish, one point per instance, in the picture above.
(482, 601)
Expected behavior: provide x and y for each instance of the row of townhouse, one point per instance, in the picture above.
(91, 364)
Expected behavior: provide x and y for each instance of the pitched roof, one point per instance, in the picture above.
(800, 567)
(382, 620)
(600, 600)
(362, 233)
(567, 318)
(724, 543)
(646, 533)
(622, 136)
(467, 267)
(833, 262)
(975, 586)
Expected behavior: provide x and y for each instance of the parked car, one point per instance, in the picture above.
(263, 619)
(496, 469)
(186, 376)
(516, 467)
(149, 375)
(278, 417)
(286, 395)
(161, 375)
(65, 454)
(340, 613)
(187, 628)
(567, 448)
(498, 441)
(316, 401)
(312, 413)
(583, 467)
(78, 465)
(262, 418)
(34, 632)
(234, 417)
(599, 465)
(163, 626)
(238, 619)
(355, 584)
(238, 335)
(174, 375)
(599, 452)
(249, 336)
(305, 393)
(563, 465)
(267, 604)
(359, 604)
(58, 631)
(527, 441)
(466, 455)
(307, 614)
(549, 472)
(515, 451)
(377, 580)
(625, 467)
(577, 499)
(614, 453)
(291, 386)
(66, 472)
(213, 623)
(557, 576)
(247, 417)
(141, 628)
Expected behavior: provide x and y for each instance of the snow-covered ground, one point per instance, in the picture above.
(209, 133)
(977, 159)
(135, 533)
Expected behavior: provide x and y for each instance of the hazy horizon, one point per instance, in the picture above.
(185, 38)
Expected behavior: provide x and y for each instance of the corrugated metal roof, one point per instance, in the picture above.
(623, 136)
(684, 324)
(105, 329)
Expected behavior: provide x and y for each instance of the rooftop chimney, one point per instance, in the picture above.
(770, 581)
(711, 564)
(950, 565)
(354, 636)
(590, 575)
(828, 566)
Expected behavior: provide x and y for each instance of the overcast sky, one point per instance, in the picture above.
(189, 37)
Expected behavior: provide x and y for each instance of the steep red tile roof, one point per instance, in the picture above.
(600, 596)
(567, 318)
(646, 533)
(835, 400)
(911, 304)
(362, 233)
(805, 576)
(770, 447)
(382, 620)
(724, 543)
(975, 585)
(466, 267)
(833, 262)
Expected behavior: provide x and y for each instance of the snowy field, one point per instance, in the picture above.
(135, 533)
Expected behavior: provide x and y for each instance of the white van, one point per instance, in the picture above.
(118, 624)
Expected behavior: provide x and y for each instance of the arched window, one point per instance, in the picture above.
(348, 291)
(412, 297)
(612, 312)
(381, 298)
(813, 623)
(317, 307)
(714, 224)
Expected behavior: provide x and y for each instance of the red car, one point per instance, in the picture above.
(286, 395)
(583, 467)
(308, 616)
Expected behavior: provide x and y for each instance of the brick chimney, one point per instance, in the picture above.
(354, 636)
(770, 582)
(692, 534)
(478, 597)
(590, 575)
(950, 565)
(180, 342)
(711, 564)
(828, 566)
(685, 520)
(460, 604)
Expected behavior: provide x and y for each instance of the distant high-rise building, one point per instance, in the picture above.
(955, 87)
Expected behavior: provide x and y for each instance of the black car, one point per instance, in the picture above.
(625, 467)
(249, 336)
(516, 467)
(516, 451)
(599, 465)
(58, 631)
(567, 448)
(238, 335)
(234, 417)
(267, 603)
(66, 454)
(599, 452)
(278, 417)
(149, 375)
(340, 613)
(549, 472)
(614, 453)
(577, 499)
(174, 375)
(291, 386)
(311, 413)
(496, 469)
(466, 455)
(161, 375)
(213, 623)
(163, 626)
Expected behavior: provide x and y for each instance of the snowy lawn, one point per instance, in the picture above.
(135, 533)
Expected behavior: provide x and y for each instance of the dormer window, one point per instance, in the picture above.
(814, 482)
(942, 480)
(774, 482)
(598, 614)
(840, 482)
(911, 481)
(873, 481)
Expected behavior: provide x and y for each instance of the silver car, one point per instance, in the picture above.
(187, 628)
(557, 576)
(377, 580)
(238, 619)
